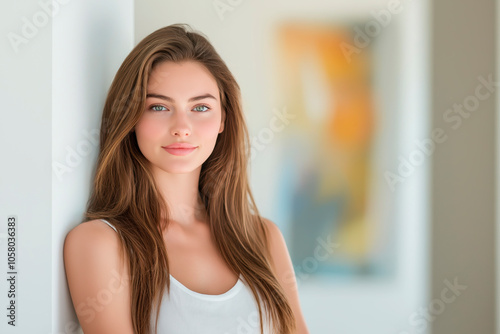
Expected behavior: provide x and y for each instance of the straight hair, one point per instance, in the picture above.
(125, 194)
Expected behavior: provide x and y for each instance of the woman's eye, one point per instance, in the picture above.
(157, 108)
(201, 106)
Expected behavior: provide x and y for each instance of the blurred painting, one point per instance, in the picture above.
(324, 80)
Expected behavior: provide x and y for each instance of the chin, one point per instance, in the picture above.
(179, 167)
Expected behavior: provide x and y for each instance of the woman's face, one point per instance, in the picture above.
(182, 105)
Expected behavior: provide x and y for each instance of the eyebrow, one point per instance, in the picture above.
(194, 98)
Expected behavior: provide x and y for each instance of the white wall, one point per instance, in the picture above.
(242, 37)
(25, 177)
(52, 89)
(100, 35)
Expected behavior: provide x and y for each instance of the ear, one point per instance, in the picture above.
(223, 119)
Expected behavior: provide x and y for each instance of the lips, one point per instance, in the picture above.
(180, 145)
(179, 148)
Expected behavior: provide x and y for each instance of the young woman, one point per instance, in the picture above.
(171, 206)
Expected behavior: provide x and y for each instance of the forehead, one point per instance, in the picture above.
(181, 78)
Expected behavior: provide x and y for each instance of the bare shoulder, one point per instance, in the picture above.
(270, 224)
(283, 267)
(274, 233)
(98, 279)
(92, 225)
(91, 238)
(277, 245)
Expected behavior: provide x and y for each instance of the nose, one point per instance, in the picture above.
(180, 125)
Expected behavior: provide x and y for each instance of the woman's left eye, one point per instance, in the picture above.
(157, 107)
(202, 106)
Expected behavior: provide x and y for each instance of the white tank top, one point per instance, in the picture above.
(188, 312)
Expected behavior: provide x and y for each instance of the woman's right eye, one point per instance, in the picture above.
(157, 107)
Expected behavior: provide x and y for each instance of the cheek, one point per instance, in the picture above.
(209, 128)
(148, 130)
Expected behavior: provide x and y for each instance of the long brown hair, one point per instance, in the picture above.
(124, 191)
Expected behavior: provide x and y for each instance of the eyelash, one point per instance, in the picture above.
(159, 105)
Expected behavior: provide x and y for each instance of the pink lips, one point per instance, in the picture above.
(180, 148)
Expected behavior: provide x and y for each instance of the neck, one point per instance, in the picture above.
(181, 196)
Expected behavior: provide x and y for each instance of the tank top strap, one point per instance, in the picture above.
(114, 228)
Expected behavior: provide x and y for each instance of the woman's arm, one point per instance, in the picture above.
(98, 281)
(284, 270)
